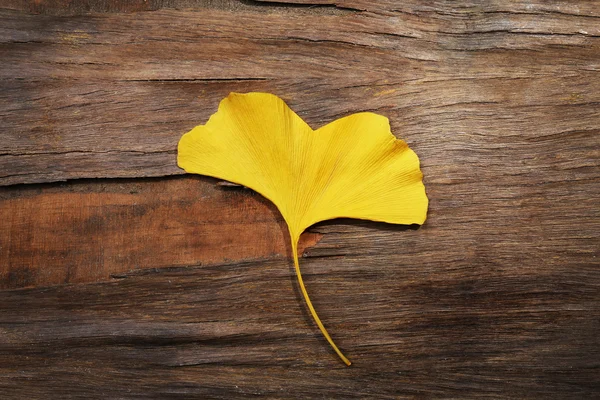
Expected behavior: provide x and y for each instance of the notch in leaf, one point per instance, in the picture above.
(353, 167)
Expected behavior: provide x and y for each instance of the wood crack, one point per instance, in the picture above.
(515, 32)
(166, 80)
(303, 5)
(37, 153)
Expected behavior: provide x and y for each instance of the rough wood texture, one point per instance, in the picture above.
(109, 95)
(496, 296)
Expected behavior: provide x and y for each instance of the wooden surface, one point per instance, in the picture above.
(91, 231)
(169, 286)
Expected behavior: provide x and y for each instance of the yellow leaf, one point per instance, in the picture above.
(353, 167)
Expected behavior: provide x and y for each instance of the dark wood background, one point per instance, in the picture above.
(122, 278)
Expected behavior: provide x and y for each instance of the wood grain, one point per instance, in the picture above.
(109, 95)
(496, 296)
(90, 231)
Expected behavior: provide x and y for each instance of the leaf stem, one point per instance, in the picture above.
(309, 303)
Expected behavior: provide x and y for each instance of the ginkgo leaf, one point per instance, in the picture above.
(353, 167)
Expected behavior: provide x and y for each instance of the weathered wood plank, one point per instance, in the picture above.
(223, 332)
(108, 95)
(90, 231)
